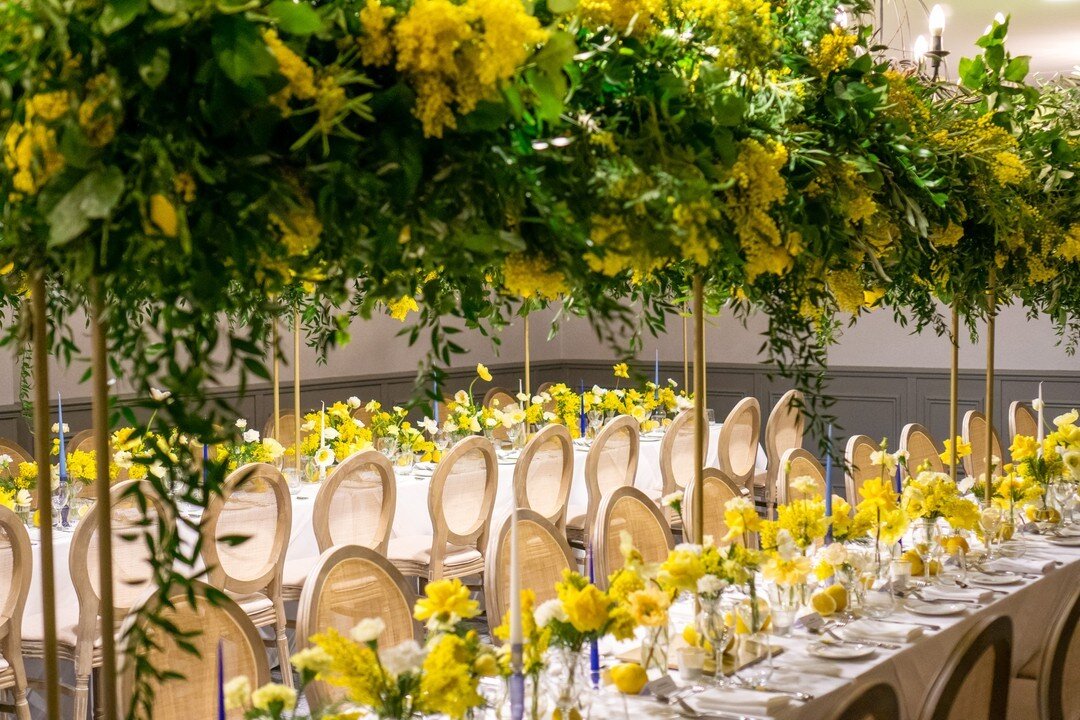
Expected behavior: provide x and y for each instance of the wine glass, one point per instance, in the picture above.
(990, 521)
(1062, 491)
(711, 624)
(596, 421)
(924, 537)
(515, 433)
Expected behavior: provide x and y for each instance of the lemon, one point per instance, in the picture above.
(955, 544)
(916, 562)
(935, 567)
(629, 678)
(839, 596)
(823, 604)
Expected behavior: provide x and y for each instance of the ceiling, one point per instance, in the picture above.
(1047, 30)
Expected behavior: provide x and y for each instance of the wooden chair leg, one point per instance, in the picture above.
(283, 646)
(82, 696)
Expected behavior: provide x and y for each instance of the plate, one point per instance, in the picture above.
(1006, 578)
(919, 607)
(846, 651)
(651, 438)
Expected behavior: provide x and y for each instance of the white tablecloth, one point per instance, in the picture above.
(410, 518)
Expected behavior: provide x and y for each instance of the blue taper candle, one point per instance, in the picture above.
(221, 680)
(828, 486)
(594, 646)
(656, 370)
(581, 419)
(899, 480)
(60, 432)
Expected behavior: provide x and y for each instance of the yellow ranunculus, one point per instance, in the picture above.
(446, 601)
(877, 493)
(483, 372)
(585, 608)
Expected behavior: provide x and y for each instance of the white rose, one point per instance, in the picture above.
(353, 402)
(710, 585)
(251, 436)
(241, 423)
(835, 554)
(367, 630)
(406, 657)
(548, 416)
(159, 395)
(548, 611)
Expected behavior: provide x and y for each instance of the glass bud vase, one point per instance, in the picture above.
(714, 628)
(753, 652)
(654, 649)
(568, 682)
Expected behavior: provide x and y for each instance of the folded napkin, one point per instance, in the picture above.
(751, 702)
(1035, 566)
(808, 665)
(945, 592)
(867, 629)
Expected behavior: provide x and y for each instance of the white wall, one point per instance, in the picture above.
(875, 341)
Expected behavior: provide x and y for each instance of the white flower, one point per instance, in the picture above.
(449, 425)
(689, 547)
(324, 457)
(241, 423)
(1037, 405)
(461, 397)
(56, 428)
(5, 460)
(710, 584)
(159, 395)
(405, 657)
(835, 554)
(493, 421)
(308, 426)
(683, 403)
(474, 425)
(398, 410)
(353, 402)
(548, 611)
(156, 469)
(804, 484)
(393, 431)
(785, 545)
(122, 458)
(672, 499)
(23, 498)
(272, 694)
(537, 400)
(548, 416)
(251, 436)
(672, 383)
(372, 405)
(884, 460)
(965, 484)
(330, 434)
(902, 456)
(313, 659)
(237, 692)
(274, 447)
(429, 426)
(367, 630)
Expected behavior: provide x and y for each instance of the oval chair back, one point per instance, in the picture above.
(719, 488)
(546, 555)
(783, 432)
(348, 584)
(974, 683)
(1022, 421)
(286, 433)
(499, 398)
(17, 452)
(975, 434)
(875, 702)
(205, 624)
(16, 566)
(859, 466)
(677, 461)
(355, 505)
(1057, 691)
(796, 463)
(611, 463)
(627, 509)
(921, 447)
(543, 473)
(737, 446)
(462, 497)
(82, 440)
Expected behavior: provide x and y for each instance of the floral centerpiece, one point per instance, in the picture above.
(17, 484)
(395, 436)
(333, 435)
(803, 517)
(464, 415)
(407, 680)
(251, 448)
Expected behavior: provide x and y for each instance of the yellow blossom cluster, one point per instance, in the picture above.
(376, 47)
(743, 31)
(1069, 249)
(637, 17)
(342, 433)
(1008, 168)
(299, 226)
(847, 289)
(529, 276)
(31, 155)
(300, 76)
(95, 115)
(833, 51)
(758, 185)
(400, 308)
(697, 241)
(933, 495)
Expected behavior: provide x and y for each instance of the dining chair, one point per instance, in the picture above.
(461, 499)
(544, 387)
(212, 622)
(545, 555)
(783, 432)
(1049, 691)
(974, 682)
(543, 474)
(499, 398)
(1022, 420)
(286, 431)
(255, 508)
(737, 445)
(627, 509)
(82, 440)
(874, 702)
(677, 462)
(80, 643)
(349, 583)
(16, 566)
(17, 452)
(921, 448)
(719, 487)
(860, 467)
(355, 505)
(611, 463)
(362, 414)
(974, 432)
(795, 463)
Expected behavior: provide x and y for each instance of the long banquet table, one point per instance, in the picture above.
(1032, 604)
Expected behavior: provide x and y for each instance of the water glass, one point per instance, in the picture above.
(292, 479)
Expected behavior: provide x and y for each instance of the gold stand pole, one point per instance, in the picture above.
(277, 380)
(699, 409)
(42, 448)
(528, 382)
(685, 352)
(954, 390)
(991, 314)
(100, 423)
(296, 389)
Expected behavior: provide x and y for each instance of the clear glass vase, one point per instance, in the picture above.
(753, 651)
(568, 682)
(654, 649)
(714, 628)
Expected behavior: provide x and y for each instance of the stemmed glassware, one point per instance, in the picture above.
(925, 539)
(990, 520)
(711, 625)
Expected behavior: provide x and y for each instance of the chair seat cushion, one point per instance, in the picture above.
(33, 639)
(256, 606)
(417, 549)
(295, 572)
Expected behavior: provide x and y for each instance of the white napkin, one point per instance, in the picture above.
(867, 629)
(808, 665)
(751, 702)
(945, 592)
(1022, 566)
